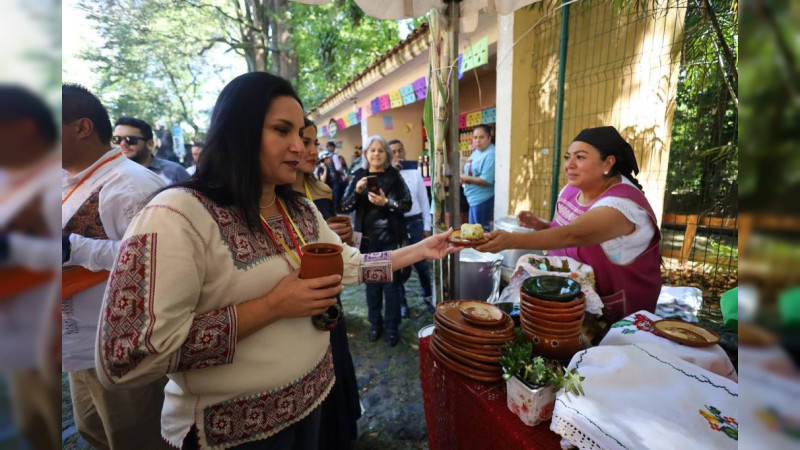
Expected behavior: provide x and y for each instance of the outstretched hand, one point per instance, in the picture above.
(437, 247)
(497, 240)
(528, 220)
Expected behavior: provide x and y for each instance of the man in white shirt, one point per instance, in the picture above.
(418, 221)
(101, 190)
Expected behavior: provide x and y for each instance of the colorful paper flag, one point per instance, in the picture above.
(474, 119)
(385, 102)
(420, 88)
(375, 105)
(480, 52)
(396, 99)
(341, 124)
(462, 121)
(407, 92)
(353, 119)
(388, 122)
(489, 115)
(358, 115)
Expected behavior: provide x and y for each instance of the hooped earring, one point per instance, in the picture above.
(605, 173)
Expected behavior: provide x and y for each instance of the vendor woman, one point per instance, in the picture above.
(602, 219)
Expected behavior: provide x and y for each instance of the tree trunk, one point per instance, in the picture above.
(284, 55)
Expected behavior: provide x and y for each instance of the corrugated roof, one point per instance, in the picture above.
(421, 30)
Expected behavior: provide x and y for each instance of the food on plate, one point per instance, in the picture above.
(471, 232)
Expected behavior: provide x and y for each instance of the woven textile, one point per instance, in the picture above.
(464, 414)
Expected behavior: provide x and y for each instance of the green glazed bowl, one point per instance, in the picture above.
(551, 288)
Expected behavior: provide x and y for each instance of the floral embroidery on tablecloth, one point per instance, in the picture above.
(376, 267)
(640, 322)
(724, 424)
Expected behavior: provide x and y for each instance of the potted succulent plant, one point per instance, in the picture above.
(532, 381)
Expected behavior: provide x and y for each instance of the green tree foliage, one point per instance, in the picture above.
(335, 42)
(770, 107)
(703, 171)
(156, 56)
(149, 65)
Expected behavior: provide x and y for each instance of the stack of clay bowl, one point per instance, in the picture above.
(469, 336)
(551, 315)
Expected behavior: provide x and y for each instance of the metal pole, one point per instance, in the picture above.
(562, 69)
(454, 156)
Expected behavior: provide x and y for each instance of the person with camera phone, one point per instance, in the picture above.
(380, 198)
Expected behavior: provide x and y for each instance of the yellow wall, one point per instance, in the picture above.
(621, 70)
(407, 127)
(346, 140)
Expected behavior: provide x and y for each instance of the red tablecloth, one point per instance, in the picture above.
(465, 414)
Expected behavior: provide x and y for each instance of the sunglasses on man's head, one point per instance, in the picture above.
(130, 140)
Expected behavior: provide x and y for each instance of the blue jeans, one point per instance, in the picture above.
(415, 226)
(482, 213)
(378, 292)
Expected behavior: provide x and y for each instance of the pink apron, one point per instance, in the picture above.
(624, 288)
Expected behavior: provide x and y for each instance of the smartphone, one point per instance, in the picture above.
(372, 184)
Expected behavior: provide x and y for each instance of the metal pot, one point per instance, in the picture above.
(480, 275)
(510, 256)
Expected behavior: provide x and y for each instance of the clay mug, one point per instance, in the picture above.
(343, 220)
(320, 260)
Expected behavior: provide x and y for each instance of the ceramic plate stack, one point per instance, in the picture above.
(552, 309)
(469, 336)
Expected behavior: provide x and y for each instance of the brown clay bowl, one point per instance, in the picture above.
(525, 298)
(450, 315)
(550, 324)
(564, 332)
(555, 347)
(556, 315)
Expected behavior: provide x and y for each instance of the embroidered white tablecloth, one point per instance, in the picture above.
(637, 328)
(643, 397)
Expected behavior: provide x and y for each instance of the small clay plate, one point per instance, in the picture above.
(490, 350)
(685, 333)
(465, 361)
(444, 344)
(455, 335)
(472, 374)
(456, 239)
(449, 313)
(481, 314)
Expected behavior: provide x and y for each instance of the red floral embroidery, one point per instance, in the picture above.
(643, 323)
(257, 416)
(248, 248)
(376, 267)
(211, 340)
(547, 411)
(127, 322)
(86, 220)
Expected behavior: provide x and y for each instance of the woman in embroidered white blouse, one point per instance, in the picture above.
(206, 287)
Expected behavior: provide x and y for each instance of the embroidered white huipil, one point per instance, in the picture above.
(169, 309)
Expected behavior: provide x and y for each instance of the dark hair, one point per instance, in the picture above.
(486, 128)
(394, 141)
(331, 144)
(18, 103)
(144, 127)
(308, 123)
(229, 173)
(608, 141)
(79, 103)
(198, 144)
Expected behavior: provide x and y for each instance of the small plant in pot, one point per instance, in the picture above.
(532, 381)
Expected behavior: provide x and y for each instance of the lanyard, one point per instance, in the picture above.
(86, 177)
(278, 240)
(308, 192)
